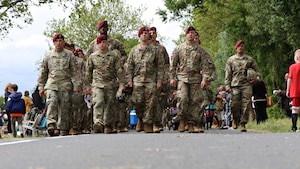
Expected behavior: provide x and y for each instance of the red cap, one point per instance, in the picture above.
(101, 24)
(188, 29)
(101, 37)
(58, 36)
(238, 43)
(142, 29)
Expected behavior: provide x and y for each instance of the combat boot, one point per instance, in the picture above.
(114, 130)
(181, 127)
(86, 131)
(148, 128)
(73, 132)
(52, 131)
(123, 129)
(243, 128)
(63, 133)
(156, 128)
(191, 128)
(139, 126)
(97, 128)
(107, 130)
(234, 124)
(198, 129)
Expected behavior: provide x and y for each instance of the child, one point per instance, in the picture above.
(16, 108)
(292, 89)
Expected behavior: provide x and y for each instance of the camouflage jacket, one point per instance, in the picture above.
(236, 70)
(166, 58)
(145, 64)
(189, 64)
(80, 71)
(104, 70)
(56, 71)
(211, 68)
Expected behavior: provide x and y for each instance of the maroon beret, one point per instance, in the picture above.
(101, 24)
(101, 37)
(71, 45)
(79, 50)
(188, 29)
(58, 36)
(238, 43)
(152, 29)
(142, 29)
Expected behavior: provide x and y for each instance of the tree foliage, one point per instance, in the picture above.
(269, 28)
(16, 13)
(80, 27)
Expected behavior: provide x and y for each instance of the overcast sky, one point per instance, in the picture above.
(20, 51)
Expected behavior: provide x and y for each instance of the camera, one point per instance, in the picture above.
(276, 91)
(121, 99)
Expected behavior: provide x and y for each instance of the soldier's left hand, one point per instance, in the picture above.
(203, 84)
(158, 85)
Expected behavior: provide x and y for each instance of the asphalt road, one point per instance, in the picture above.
(214, 149)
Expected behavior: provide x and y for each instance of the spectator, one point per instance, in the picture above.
(292, 89)
(259, 92)
(38, 101)
(28, 101)
(16, 108)
(6, 95)
(284, 101)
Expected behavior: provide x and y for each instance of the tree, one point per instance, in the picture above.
(269, 28)
(80, 27)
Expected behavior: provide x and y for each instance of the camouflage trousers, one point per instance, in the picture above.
(241, 100)
(190, 98)
(206, 101)
(104, 99)
(87, 115)
(78, 112)
(144, 101)
(58, 108)
(161, 109)
(87, 118)
(122, 118)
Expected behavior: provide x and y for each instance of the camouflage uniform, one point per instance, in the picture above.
(79, 107)
(164, 92)
(189, 66)
(56, 71)
(122, 107)
(145, 70)
(241, 89)
(206, 92)
(103, 72)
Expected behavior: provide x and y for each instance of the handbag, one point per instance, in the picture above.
(270, 101)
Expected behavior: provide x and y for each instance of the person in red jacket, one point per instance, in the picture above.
(292, 90)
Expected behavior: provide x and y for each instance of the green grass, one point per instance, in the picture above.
(272, 126)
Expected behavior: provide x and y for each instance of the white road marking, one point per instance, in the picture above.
(16, 142)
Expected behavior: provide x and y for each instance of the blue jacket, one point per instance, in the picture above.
(15, 103)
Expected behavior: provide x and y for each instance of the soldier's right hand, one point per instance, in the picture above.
(42, 92)
(173, 82)
(88, 91)
(228, 89)
(130, 84)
